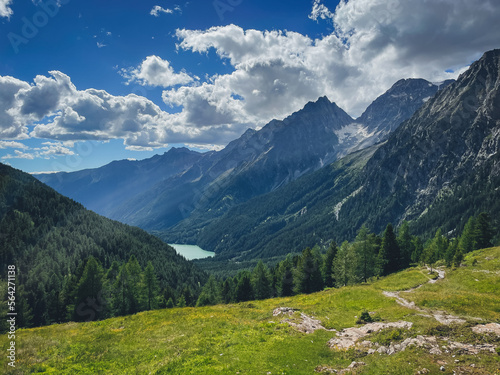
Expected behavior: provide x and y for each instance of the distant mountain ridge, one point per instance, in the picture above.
(436, 170)
(186, 186)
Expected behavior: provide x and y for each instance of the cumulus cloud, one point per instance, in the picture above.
(155, 71)
(53, 108)
(272, 74)
(19, 155)
(12, 144)
(5, 10)
(158, 9)
(374, 44)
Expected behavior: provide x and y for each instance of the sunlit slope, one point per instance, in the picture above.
(247, 339)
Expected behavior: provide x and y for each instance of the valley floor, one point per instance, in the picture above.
(446, 326)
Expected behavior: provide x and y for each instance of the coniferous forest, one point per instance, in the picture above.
(73, 264)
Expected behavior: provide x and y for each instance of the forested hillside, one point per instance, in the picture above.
(57, 246)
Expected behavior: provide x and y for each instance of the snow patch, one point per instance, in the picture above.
(354, 131)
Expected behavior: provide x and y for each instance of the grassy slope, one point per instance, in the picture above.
(246, 338)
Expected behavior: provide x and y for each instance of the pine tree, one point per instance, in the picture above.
(210, 293)
(228, 290)
(181, 301)
(244, 290)
(135, 285)
(483, 232)
(344, 265)
(467, 241)
(450, 252)
(390, 251)
(308, 277)
(150, 286)
(328, 265)
(418, 248)
(261, 281)
(285, 277)
(121, 302)
(89, 303)
(405, 244)
(365, 256)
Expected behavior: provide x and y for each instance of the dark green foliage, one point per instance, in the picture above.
(244, 290)
(308, 276)
(52, 238)
(210, 294)
(483, 231)
(364, 318)
(285, 277)
(405, 242)
(364, 248)
(89, 292)
(261, 282)
(344, 265)
(390, 252)
(328, 265)
(170, 303)
(150, 286)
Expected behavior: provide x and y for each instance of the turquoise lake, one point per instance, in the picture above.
(192, 251)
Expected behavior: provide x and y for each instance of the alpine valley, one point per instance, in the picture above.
(181, 195)
(335, 241)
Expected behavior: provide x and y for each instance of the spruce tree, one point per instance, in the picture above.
(210, 293)
(285, 277)
(261, 281)
(483, 232)
(89, 303)
(391, 252)
(467, 241)
(308, 277)
(244, 290)
(135, 285)
(150, 286)
(328, 265)
(405, 244)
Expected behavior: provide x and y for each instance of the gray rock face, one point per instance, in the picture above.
(455, 134)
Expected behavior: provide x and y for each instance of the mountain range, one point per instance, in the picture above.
(422, 152)
(191, 188)
(435, 170)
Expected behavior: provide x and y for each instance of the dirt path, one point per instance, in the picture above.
(441, 316)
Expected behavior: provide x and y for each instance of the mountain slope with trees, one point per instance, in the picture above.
(66, 255)
(437, 169)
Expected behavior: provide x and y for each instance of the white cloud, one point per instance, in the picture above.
(53, 108)
(272, 74)
(375, 43)
(320, 11)
(19, 155)
(54, 149)
(158, 9)
(101, 45)
(12, 144)
(5, 10)
(154, 71)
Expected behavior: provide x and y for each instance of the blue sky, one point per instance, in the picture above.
(83, 83)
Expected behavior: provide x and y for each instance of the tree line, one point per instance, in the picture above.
(368, 256)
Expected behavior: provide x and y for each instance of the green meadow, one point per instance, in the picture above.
(246, 338)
